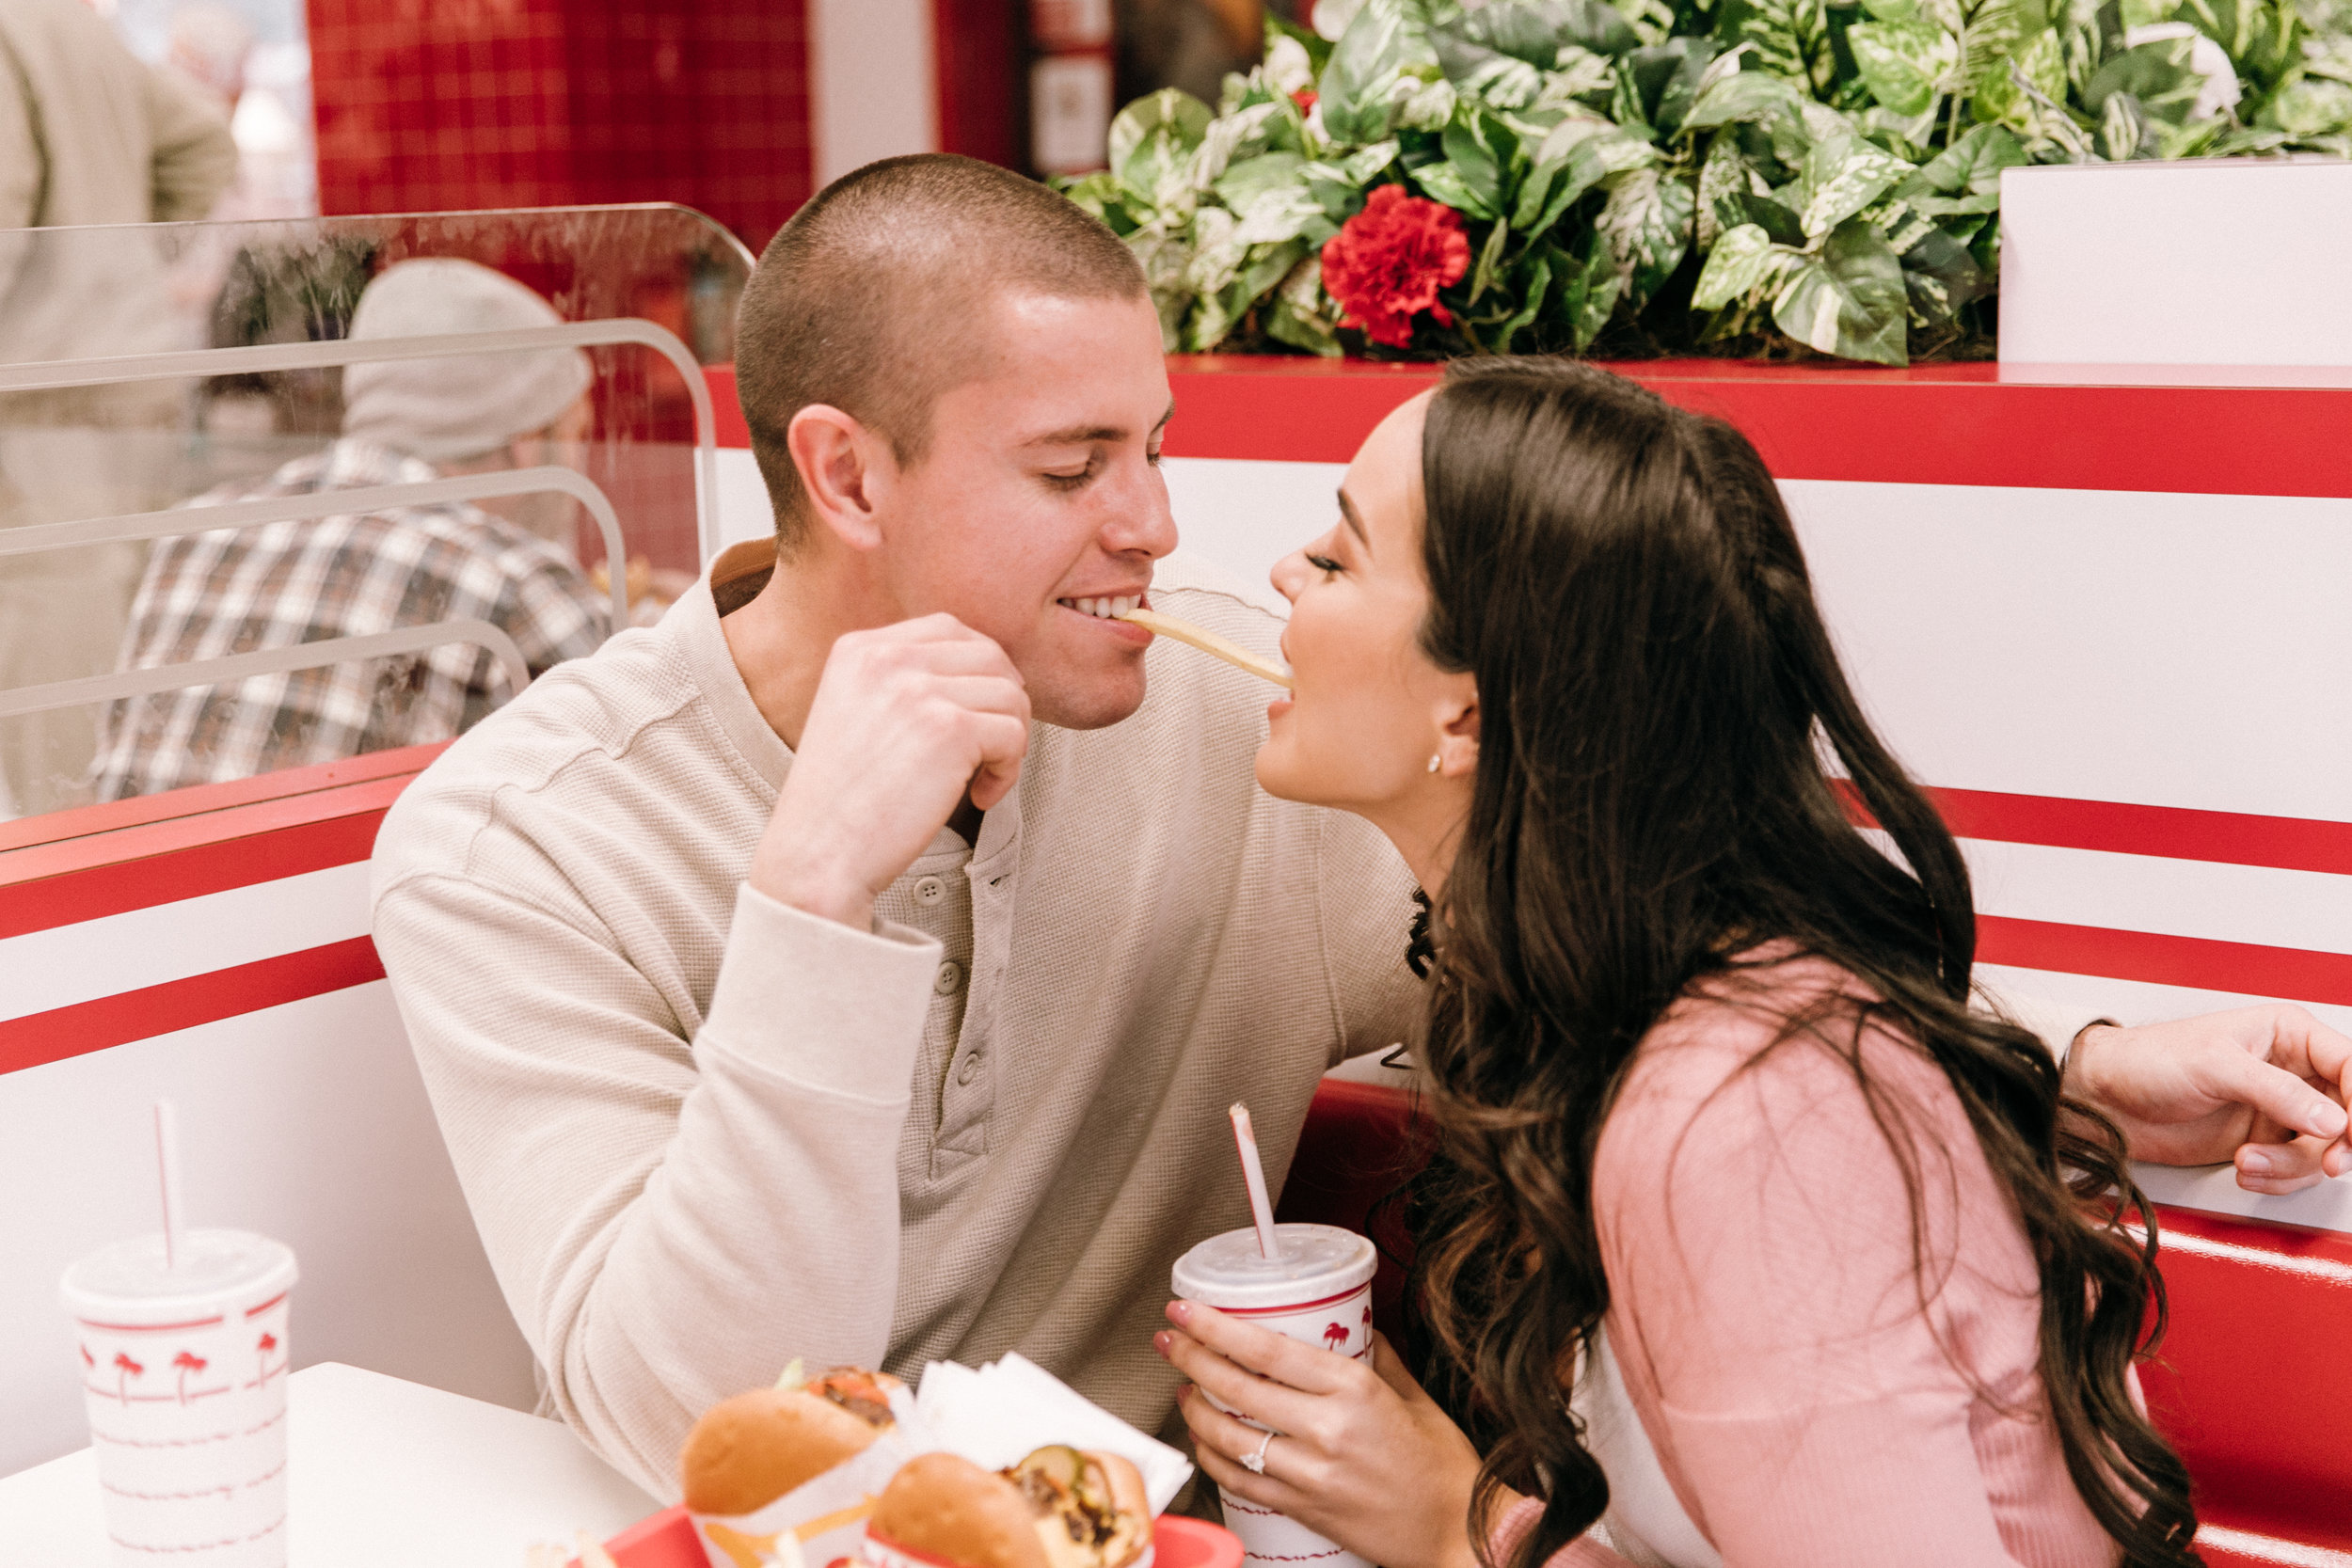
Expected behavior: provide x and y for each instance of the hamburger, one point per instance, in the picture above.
(1059, 1508)
(747, 1451)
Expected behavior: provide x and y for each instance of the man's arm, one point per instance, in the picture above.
(670, 1223)
(2262, 1087)
(2210, 1089)
(196, 158)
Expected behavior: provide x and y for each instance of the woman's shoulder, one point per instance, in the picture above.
(1782, 1069)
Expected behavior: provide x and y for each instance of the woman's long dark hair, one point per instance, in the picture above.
(1656, 690)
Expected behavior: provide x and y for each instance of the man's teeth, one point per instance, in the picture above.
(1105, 608)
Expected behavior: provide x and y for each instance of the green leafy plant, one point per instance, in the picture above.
(1758, 177)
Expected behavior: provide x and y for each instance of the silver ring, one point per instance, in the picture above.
(1255, 1462)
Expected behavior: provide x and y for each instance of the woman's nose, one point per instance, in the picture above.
(1289, 575)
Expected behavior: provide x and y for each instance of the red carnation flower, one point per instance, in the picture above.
(1387, 264)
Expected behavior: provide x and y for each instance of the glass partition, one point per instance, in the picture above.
(272, 494)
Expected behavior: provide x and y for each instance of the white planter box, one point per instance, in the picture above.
(2203, 261)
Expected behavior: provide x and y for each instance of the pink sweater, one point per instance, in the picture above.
(1764, 1311)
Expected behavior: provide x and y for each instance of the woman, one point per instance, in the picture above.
(1826, 1246)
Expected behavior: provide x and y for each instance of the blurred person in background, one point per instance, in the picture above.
(88, 134)
(509, 561)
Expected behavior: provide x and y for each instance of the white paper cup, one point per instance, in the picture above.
(1318, 1291)
(184, 1373)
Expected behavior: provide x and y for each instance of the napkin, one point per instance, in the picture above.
(997, 1414)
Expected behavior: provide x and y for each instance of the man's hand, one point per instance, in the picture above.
(2235, 1086)
(908, 719)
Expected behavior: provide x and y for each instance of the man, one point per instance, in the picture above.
(857, 966)
(88, 135)
(507, 561)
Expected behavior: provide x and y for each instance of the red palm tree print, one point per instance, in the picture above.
(187, 1361)
(125, 1369)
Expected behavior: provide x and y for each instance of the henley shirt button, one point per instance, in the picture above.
(970, 1070)
(930, 889)
(950, 976)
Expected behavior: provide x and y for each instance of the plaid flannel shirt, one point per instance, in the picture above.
(234, 590)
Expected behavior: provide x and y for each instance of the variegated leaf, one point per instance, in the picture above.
(1973, 164)
(2009, 97)
(1152, 139)
(1726, 172)
(1356, 94)
(1290, 214)
(1737, 264)
(1245, 183)
(1579, 73)
(1217, 250)
(1989, 32)
(1905, 64)
(1301, 314)
(1443, 181)
(1740, 98)
(1551, 187)
(1589, 297)
(1647, 224)
(1848, 300)
(1842, 179)
(1240, 133)
(1791, 37)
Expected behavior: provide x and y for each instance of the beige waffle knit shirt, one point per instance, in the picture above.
(703, 1133)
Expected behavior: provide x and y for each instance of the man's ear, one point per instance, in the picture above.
(1456, 716)
(843, 466)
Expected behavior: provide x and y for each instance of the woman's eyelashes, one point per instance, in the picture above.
(1325, 565)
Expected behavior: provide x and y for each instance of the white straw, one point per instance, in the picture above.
(1253, 1172)
(167, 1177)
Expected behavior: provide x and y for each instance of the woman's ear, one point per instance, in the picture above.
(1456, 716)
(842, 466)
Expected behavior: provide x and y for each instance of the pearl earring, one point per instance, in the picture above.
(1433, 761)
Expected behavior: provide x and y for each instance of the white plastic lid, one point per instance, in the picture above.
(1316, 1262)
(219, 1270)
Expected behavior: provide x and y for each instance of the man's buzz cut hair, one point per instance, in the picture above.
(872, 299)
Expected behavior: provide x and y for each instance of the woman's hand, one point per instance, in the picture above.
(1362, 1455)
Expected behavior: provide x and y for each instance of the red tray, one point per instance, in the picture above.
(667, 1540)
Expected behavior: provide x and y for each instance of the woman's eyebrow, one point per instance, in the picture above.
(1347, 511)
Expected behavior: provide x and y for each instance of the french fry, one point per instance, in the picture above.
(1211, 643)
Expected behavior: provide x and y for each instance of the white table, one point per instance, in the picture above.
(383, 1474)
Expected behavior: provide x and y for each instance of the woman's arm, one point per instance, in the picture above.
(1823, 1387)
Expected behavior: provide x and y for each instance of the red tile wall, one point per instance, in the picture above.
(435, 105)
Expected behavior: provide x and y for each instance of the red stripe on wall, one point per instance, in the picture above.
(2169, 832)
(137, 1015)
(2197, 962)
(1944, 424)
(166, 875)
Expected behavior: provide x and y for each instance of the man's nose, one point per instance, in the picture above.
(1140, 516)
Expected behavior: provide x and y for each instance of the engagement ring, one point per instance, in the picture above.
(1255, 1462)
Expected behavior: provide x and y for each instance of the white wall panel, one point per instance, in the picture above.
(306, 1123)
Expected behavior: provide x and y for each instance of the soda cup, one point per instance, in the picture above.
(184, 1373)
(1317, 1291)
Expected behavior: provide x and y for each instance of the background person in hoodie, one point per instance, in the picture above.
(88, 134)
(508, 561)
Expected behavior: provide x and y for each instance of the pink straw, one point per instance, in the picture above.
(1253, 1172)
(167, 1177)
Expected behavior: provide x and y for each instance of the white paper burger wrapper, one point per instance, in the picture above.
(995, 1417)
(998, 1415)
